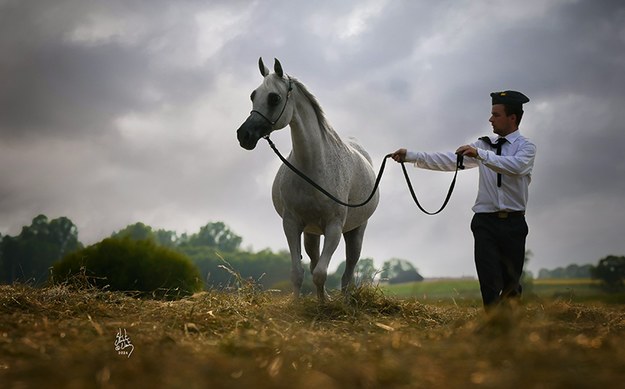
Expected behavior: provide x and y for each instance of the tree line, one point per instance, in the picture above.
(568, 272)
(215, 250)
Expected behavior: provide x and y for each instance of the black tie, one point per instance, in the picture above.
(498, 146)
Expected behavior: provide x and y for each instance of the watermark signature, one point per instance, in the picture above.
(122, 343)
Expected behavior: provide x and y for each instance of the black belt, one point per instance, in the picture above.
(503, 214)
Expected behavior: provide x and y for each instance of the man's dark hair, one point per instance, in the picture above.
(514, 109)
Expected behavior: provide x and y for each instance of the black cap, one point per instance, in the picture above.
(509, 97)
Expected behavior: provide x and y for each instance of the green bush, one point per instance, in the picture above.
(131, 265)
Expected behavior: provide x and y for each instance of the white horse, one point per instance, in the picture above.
(344, 169)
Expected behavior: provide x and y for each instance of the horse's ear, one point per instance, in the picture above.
(263, 69)
(277, 67)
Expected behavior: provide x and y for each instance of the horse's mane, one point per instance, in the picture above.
(321, 117)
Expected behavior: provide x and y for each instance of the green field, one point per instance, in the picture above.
(467, 291)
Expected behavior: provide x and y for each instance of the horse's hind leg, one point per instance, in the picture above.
(353, 246)
(311, 245)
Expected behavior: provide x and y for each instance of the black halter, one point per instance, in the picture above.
(288, 94)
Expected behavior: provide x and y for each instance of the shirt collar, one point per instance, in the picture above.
(512, 136)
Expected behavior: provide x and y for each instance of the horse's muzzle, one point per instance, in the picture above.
(246, 140)
(251, 131)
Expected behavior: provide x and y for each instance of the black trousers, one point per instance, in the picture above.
(499, 255)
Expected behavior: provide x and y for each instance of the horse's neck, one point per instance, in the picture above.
(311, 143)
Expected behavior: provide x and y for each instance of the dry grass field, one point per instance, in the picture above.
(69, 337)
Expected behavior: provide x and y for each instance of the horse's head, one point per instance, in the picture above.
(270, 106)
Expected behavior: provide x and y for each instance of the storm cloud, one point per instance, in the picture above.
(123, 111)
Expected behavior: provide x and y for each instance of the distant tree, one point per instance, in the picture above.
(397, 271)
(221, 270)
(137, 231)
(576, 271)
(333, 281)
(166, 238)
(140, 231)
(571, 271)
(611, 271)
(212, 249)
(364, 272)
(544, 273)
(217, 235)
(29, 256)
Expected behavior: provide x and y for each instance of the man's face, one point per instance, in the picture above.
(502, 124)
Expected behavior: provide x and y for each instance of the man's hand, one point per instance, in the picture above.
(399, 155)
(467, 151)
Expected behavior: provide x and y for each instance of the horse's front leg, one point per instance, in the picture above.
(332, 237)
(293, 232)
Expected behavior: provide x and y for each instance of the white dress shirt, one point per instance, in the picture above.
(515, 164)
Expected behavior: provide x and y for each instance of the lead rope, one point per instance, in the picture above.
(459, 165)
(319, 188)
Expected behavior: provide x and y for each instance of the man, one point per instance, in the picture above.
(505, 166)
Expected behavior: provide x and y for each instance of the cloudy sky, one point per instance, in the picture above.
(113, 112)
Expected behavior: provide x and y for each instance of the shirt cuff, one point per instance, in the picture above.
(411, 156)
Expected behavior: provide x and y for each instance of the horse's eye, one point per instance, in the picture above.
(252, 95)
(273, 99)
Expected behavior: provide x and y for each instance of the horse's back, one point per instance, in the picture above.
(357, 147)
